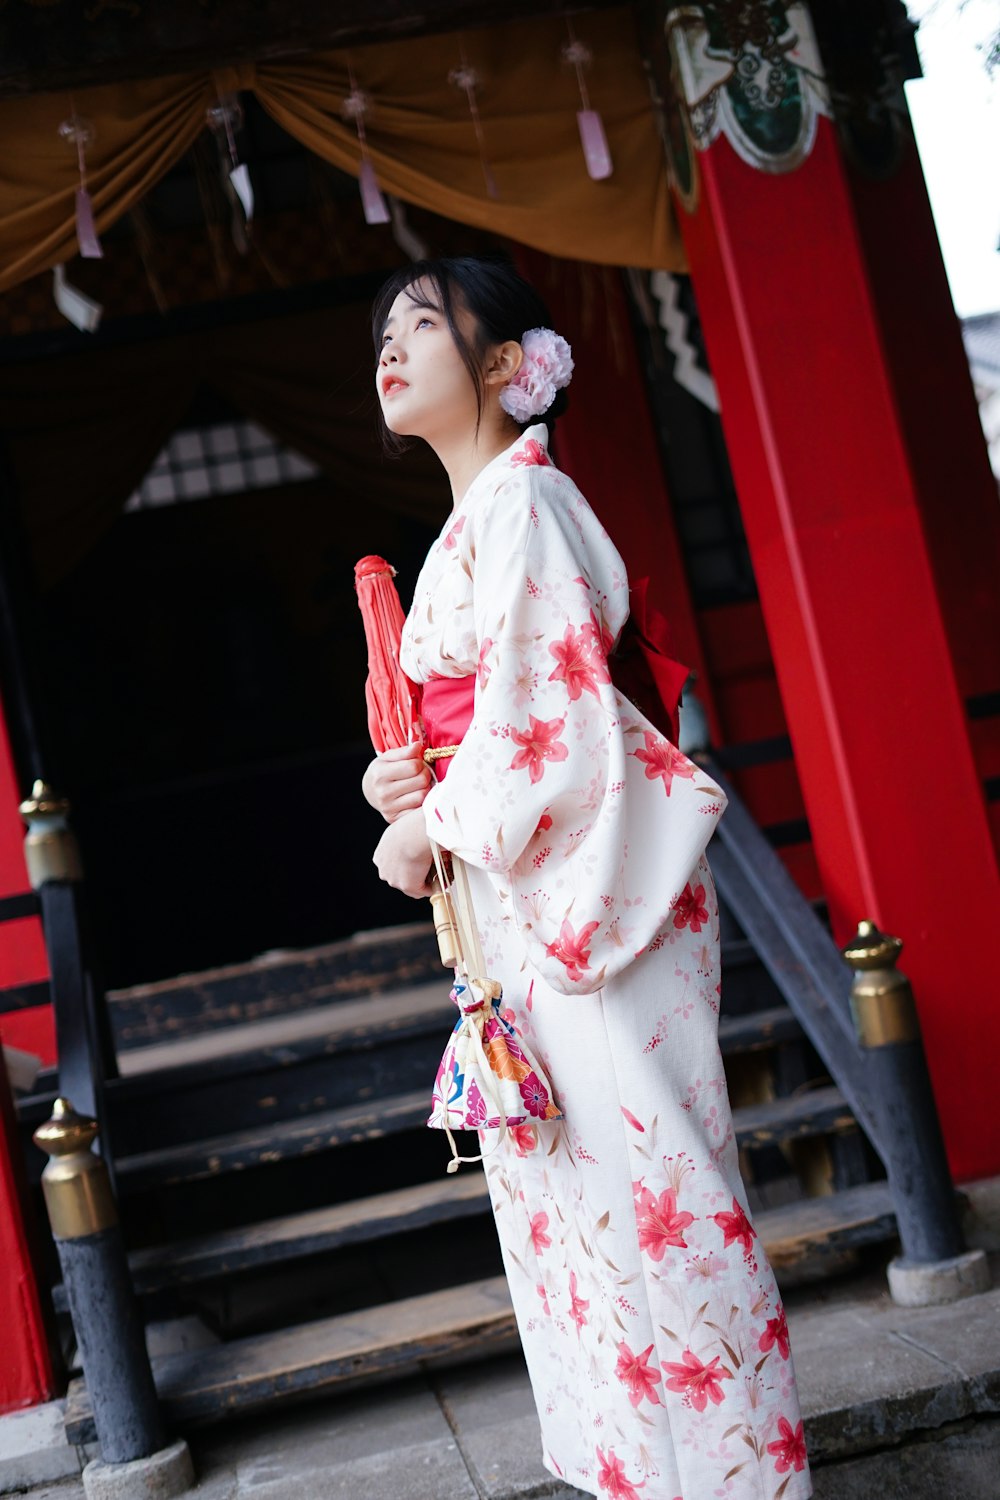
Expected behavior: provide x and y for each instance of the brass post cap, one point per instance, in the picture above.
(66, 1131)
(872, 949)
(43, 800)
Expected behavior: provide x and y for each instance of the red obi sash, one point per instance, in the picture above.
(446, 707)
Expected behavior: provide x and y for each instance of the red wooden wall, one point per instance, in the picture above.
(22, 947)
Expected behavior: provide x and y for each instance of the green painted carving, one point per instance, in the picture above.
(763, 86)
(749, 70)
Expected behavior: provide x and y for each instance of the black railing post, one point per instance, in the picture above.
(85, 1052)
(935, 1265)
(106, 1317)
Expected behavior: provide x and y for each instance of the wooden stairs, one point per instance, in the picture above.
(276, 1179)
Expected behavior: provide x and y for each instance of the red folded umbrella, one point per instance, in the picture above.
(393, 700)
(394, 719)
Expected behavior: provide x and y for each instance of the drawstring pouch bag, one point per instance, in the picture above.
(487, 1079)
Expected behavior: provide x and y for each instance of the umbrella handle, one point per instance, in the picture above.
(455, 917)
(445, 927)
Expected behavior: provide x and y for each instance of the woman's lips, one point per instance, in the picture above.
(391, 384)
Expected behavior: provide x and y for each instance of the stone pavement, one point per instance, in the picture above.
(900, 1404)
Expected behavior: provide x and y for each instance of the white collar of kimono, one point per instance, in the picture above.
(537, 433)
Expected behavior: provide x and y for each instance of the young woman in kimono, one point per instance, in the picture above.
(652, 1327)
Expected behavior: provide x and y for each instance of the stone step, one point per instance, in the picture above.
(462, 1323)
(275, 1241)
(331, 1354)
(819, 1111)
(328, 1058)
(279, 1141)
(293, 1237)
(284, 983)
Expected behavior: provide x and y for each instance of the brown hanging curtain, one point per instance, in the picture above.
(420, 136)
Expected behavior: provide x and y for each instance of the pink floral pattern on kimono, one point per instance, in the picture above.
(651, 1322)
(527, 592)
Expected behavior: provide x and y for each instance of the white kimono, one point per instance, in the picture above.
(651, 1323)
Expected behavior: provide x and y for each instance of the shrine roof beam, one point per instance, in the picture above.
(65, 45)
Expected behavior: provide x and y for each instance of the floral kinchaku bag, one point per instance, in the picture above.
(487, 1078)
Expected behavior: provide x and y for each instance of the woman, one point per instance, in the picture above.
(651, 1324)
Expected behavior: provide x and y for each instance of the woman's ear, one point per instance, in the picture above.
(504, 362)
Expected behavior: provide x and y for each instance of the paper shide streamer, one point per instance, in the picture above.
(79, 134)
(225, 120)
(79, 309)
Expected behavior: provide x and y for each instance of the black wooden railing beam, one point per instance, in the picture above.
(63, 45)
(873, 1051)
(805, 996)
(783, 928)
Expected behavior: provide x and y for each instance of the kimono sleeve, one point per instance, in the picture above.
(589, 821)
(536, 751)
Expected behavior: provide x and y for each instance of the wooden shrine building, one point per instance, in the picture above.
(773, 414)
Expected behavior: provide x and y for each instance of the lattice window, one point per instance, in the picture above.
(225, 458)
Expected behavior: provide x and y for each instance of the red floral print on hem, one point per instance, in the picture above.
(736, 1226)
(660, 1223)
(789, 1448)
(699, 1383)
(635, 1373)
(776, 1334)
(611, 1477)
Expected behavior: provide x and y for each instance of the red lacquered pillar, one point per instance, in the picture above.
(607, 442)
(26, 1376)
(25, 1364)
(869, 507)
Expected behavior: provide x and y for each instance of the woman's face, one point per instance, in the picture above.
(423, 384)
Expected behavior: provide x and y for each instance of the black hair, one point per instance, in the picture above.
(504, 305)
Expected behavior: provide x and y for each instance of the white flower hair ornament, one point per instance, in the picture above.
(547, 367)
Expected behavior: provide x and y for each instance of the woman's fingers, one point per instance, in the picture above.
(406, 801)
(402, 770)
(392, 781)
(404, 759)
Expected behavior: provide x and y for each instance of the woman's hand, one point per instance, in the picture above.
(397, 782)
(403, 857)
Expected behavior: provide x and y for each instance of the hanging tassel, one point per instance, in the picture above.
(225, 119)
(79, 134)
(468, 80)
(355, 107)
(596, 152)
